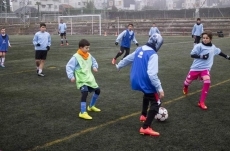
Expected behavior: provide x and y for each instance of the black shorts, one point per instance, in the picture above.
(63, 34)
(87, 88)
(40, 54)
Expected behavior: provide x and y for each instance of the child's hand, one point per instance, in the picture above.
(94, 69)
(161, 94)
(72, 80)
(9, 45)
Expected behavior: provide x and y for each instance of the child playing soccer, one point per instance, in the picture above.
(42, 43)
(79, 70)
(125, 37)
(153, 30)
(203, 55)
(4, 44)
(62, 31)
(197, 31)
(143, 77)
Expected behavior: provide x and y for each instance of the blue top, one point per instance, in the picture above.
(202, 64)
(43, 38)
(62, 27)
(153, 30)
(4, 42)
(126, 37)
(143, 75)
(73, 65)
(197, 30)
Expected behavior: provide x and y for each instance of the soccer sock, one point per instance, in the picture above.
(93, 100)
(61, 41)
(118, 55)
(204, 91)
(145, 106)
(39, 71)
(83, 107)
(3, 60)
(150, 117)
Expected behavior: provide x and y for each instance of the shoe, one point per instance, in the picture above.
(143, 118)
(93, 108)
(85, 115)
(41, 74)
(67, 44)
(148, 131)
(113, 61)
(202, 105)
(37, 71)
(2, 65)
(185, 90)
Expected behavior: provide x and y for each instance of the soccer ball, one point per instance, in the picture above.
(162, 114)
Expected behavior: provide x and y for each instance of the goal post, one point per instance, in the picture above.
(87, 18)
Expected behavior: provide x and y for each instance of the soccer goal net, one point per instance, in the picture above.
(82, 24)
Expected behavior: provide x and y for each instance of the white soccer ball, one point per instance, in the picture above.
(162, 114)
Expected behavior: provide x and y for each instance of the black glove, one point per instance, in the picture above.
(48, 48)
(38, 44)
(137, 44)
(192, 36)
(116, 43)
(205, 56)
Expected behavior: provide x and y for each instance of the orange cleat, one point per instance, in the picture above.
(149, 131)
(202, 105)
(113, 61)
(143, 118)
(185, 90)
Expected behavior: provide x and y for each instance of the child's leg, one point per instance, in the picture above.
(65, 39)
(0, 57)
(127, 50)
(145, 106)
(95, 97)
(84, 95)
(122, 49)
(61, 38)
(3, 59)
(192, 75)
(41, 66)
(206, 85)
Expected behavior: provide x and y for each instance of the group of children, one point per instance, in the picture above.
(144, 70)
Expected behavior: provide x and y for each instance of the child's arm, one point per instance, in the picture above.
(134, 40)
(193, 30)
(158, 31)
(126, 61)
(35, 40)
(218, 52)
(49, 40)
(196, 53)
(95, 64)
(150, 32)
(119, 37)
(70, 68)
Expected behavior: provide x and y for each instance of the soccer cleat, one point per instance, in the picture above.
(67, 44)
(185, 90)
(2, 65)
(148, 131)
(143, 118)
(93, 108)
(85, 115)
(41, 74)
(202, 105)
(113, 61)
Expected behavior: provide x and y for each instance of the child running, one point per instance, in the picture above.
(143, 77)
(79, 70)
(4, 45)
(203, 54)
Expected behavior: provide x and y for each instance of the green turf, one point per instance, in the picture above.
(38, 111)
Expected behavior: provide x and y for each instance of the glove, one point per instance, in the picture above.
(205, 56)
(116, 43)
(48, 48)
(228, 57)
(137, 44)
(38, 44)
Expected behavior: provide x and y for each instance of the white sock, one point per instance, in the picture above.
(3, 60)
(40, 71)
(37, 68)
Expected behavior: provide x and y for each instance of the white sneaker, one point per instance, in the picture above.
(41, 74)
(2, 65)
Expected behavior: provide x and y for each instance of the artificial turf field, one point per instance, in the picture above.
(41, 113)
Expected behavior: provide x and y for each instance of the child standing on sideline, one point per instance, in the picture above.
(125, 37)
(79, 70)
(4, 44)
(62, 31)
(42, 43)
(143, 77)
(197, 31)
(203, 55)
(153, 30)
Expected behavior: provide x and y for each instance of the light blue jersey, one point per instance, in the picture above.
(153, 30)
(126, 38)
(202, 64)
(143, 76)
(197, 30)
(73, 65)
(42, 38)
(62, 27)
